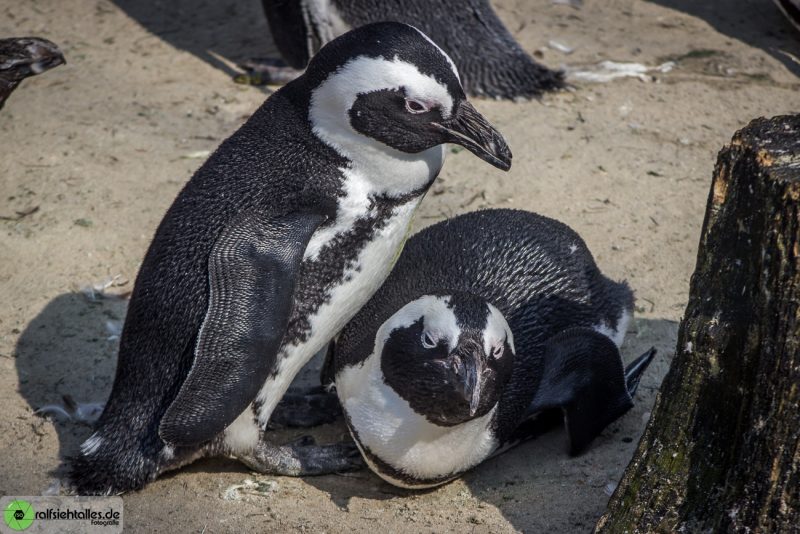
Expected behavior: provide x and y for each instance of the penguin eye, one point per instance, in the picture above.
(428, 341)
(415, 106)
(497, 351)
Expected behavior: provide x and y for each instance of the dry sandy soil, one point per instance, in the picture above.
(101, 146)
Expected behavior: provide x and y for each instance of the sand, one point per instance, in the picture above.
(101, 146)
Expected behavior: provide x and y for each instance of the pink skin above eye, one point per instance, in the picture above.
(417, 106)
(497, 351)
(428, 340)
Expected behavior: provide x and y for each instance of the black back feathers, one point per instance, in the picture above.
(489, 59)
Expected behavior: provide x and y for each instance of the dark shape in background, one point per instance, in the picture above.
(231, 30)
(22, 57)
(758, 23)
(237, 31)
(490, 61)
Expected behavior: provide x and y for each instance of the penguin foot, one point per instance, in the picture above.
(306, 408)
(303, 457)
(266, 71)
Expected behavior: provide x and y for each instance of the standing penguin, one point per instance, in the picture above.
(276, 241)
(490, 61)
(22, 57)
(490, 325)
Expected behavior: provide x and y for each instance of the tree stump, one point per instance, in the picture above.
(721, 452)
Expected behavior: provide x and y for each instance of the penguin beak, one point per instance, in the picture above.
(44, 57)
(32, 68)
(48, 63)
(471, 130)
(470, 384)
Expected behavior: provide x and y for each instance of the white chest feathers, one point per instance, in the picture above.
(384, 423)
(366, 272)
(361, 278)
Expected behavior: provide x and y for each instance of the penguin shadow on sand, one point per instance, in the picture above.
(537, 486)
(69, 351)
(759, 24)
(221, 33)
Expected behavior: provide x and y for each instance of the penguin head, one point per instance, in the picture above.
(387, 86)
(27, 56)
(448, 356)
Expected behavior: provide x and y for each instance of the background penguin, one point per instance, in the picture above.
(490, 61)
(21, 57)
(488, 327)
(270, 248)
(791, 10)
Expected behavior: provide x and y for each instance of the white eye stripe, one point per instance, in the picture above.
(450, 61)
(436, 313)
(497, 332)
(332, 100)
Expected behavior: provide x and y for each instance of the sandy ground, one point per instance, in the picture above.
(101, 146)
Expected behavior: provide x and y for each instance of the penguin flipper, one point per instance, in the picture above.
(251, 272)
(584, 376)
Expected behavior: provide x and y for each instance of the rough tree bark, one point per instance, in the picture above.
(722, 450)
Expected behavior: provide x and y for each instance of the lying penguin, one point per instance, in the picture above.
(488, 324)
(490, 61)
(271, 247)
(23, 57)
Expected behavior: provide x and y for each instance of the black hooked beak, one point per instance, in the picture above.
(471, 130)
(469, 371)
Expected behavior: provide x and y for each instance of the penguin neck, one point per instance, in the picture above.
(388, 171)
(374, 172)
(385, 426)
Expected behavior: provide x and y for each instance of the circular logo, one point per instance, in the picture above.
(18, 515)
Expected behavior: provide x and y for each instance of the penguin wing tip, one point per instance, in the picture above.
(169, 433)
(177, 433)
